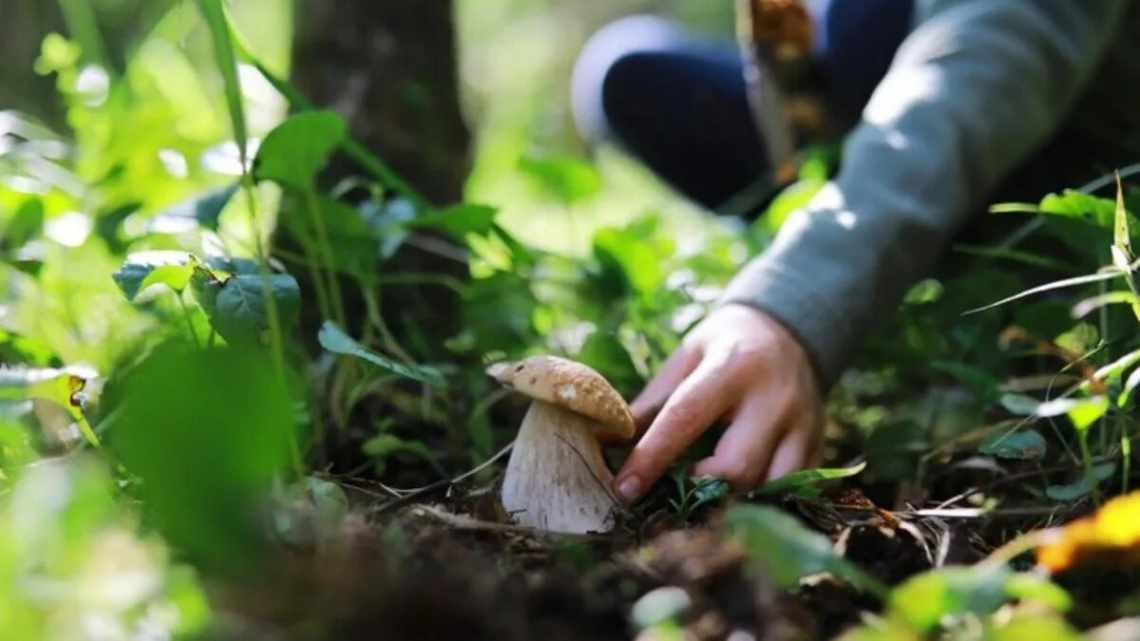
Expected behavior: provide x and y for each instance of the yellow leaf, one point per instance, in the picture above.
(1111, 535)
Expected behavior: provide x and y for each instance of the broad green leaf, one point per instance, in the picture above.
(1083, 486)
(1022, 445)
(26, 224)
(237, 306)
(805, 483)
(1079, 205)
(215, 15)
(458, 220)
(568, 179)
(143, 269)
(294, 152)
(1026, 586)
(203, 211)
(207, 431)
(335, 340)
(788, 551)
(927, 291)
(59, 386)
(923, 600)
(634, 256)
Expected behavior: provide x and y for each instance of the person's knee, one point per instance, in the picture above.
(608, 60)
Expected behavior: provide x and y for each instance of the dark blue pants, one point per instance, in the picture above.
(680, 104)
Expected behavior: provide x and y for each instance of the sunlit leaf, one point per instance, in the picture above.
(922, 601)
(294, 152)
(788, 551)
(805, 483)
(141, 270)
(1109, 537)
(335, 340)
(568, 179)
(25, 224)
(59, 386)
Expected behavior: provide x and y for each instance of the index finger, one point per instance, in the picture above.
(698, 401)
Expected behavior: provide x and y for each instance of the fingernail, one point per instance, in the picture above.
(629, 488)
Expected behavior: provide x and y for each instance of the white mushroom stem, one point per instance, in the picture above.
(557, 478)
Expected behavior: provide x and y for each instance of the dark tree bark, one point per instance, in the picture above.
(389, 66)
(24, 25)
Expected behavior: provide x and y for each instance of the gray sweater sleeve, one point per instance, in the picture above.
(977, 87)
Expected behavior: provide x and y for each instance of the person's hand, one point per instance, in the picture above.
(742, 365)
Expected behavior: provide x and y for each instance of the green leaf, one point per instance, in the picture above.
(1083, 486)
(458, 220)
(59, 386)
(635, 255)
(927, 291)
(335, 340)
(568, 179)
(204, 210)
(141, 270)
(1022, 445)
(788, 551)
(207, 431)
(382, 446)
(1079, 205)
(294, 152)
(805, 483)
(1036, 626)
(25, 225)
(922, 601)
(1038, 589)
(215, 15)
(237, 306)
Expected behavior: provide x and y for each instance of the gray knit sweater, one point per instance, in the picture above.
(976, 88)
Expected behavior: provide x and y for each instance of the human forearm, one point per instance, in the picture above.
(973, 91)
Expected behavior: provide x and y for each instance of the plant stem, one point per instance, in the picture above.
(189, 321)
(1086, 461)
(325, 251)
(82, 25)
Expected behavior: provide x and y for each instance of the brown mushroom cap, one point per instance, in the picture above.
(571, 385)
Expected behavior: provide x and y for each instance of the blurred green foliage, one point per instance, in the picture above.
(174, 235)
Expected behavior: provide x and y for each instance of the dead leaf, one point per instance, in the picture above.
(1110, 536)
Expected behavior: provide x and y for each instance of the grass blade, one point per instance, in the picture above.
(1059, 284)
(215, 16)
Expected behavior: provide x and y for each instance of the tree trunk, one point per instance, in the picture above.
(389, 67)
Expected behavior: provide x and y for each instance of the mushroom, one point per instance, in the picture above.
(557, 479)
